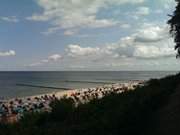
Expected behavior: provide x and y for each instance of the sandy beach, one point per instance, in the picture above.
(13, 109)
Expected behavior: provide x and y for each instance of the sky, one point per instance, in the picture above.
(86, 35)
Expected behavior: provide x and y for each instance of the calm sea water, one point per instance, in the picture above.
(9, 81)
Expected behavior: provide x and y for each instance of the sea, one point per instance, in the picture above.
(22, 84)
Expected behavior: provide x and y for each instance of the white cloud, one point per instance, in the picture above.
(151, 33)
(54, 57)
(64, 14)
(78, 51)
(146, 47)
(35, 64)
(142, 11)
(158, 11)
(70, 32)
(50, 30)
(13, 19)
(44, 61)
(153, 52)
(8, 53)
(147, 43)
(150, 42)
(125, 26)
(168, 3)
(51, 58)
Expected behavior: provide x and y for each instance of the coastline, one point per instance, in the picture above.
(68, 92)
(12, 110)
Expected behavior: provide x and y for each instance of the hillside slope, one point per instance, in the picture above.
(167, 118)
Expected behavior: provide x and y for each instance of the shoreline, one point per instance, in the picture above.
(11, 110)
(68, 90)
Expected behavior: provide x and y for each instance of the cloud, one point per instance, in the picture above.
(167, 4)
(139, 12)
(54, 57)
(50, 30)
(142, 11)
(158, 11)
(150, 52)
(13, 19)
(151, 33)
(78, 51)
(35, 64)
(125, 26)
(51, 58)
(131, 52)
(70, 32)
(76, 14)
(147, 43)
(8, 53)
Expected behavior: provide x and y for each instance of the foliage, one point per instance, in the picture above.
(174, 23)
(61, 109)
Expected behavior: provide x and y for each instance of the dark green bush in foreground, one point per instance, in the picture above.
(115, 114)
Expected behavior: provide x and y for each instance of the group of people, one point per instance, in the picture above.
(86, 95)
(13, 110)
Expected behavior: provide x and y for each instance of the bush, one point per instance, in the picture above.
(61, 109)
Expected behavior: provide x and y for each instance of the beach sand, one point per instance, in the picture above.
(69, 92)
(13, 109)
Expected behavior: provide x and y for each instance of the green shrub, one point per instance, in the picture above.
(61, 109)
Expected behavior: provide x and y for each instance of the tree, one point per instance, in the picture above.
(174, 23)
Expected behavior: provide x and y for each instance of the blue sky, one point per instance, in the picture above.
(86, 35)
